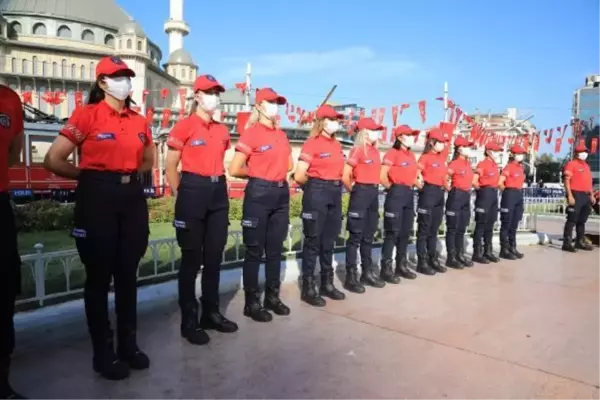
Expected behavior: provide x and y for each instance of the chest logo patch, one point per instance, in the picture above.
(324, 155)
(368, 161)
(4, 120)
(105, 136)
(404, 164)
(435, 165)
(197, 142)
(264, 148)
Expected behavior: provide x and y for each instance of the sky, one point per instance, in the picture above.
(528, 54)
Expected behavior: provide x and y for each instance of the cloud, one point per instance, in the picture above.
(351, 62)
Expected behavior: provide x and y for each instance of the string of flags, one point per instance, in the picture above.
(295, 114)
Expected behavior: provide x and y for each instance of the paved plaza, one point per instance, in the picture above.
(512, 330)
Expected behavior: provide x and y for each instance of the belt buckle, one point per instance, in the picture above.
(280, 184)
(125, 179)
(214, 179)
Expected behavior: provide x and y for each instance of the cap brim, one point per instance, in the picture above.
(218, 87)
(280, 100)
(120, 71)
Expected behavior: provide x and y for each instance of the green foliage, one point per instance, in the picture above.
(44, 215)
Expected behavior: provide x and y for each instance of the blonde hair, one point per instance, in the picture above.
(253, 119)
(361, 141)
(317, 128)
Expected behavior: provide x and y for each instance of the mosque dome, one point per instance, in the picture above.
(181, 57)
(132, 28)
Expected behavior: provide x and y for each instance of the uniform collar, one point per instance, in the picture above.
(202, 121)
(125, 112)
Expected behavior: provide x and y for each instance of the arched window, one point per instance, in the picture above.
(70, 101)
(83, 72)
(139, 46)
(64, 32)
(87, 36)
(25, 66)
(44, 68)
(42, 105)
(36, 67)
(92, 70)
(109, 40)
(64, 69)
(73, 71)
(39, 29)
(129, 43)
(13, 65)
(174, 72)
(14, 30)
(54, 69)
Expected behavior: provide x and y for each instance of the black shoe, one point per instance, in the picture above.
(434, 263)
(9, 393)
(352, 283)
(402, 269)
(213, 319)
(387, 273)
(253, 309)
(369, 278)
(136, 359)
(506, 253)
(190, 328)
(106, 363)
(581, 244)
(6, 391)
(423, 267)
(513, 249)
(328, 289)
(309, 293)
(273, 302)
(461, 258)
(478, 256)
(489, 254)
(452, 261)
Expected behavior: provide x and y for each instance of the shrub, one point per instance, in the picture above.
(44, 215)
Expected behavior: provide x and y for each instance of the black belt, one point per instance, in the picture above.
(325, 181)
(264, 182)
(122, 178)
(202, 178)
(373, 185)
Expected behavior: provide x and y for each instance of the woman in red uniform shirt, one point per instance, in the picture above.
(361, 179)
(11, 144)
(511, 206)
(266, 151)
(111, 214)
(485, 181)
(201, 209)
(458, 204)
(399, 174)
(319, 170)
(430, 208)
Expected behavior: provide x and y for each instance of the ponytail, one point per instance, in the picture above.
(253, 119)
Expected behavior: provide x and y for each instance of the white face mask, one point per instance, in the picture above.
(519, 157)
(332, 127)
(270, 109)
(119, 87)
(464, 151)
(408, 141)
(582, 156)
(208, 102)
(494, 155)
(439, 146)
(373, 136)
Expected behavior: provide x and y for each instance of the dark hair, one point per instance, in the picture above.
(456, 152)
(429, 145)
(97, 94)
(397, 144)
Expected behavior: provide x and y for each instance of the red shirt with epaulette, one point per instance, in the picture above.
(109, 140)
(488, 173)
(514, 175)
(11, 125)
(202, 145)
(268, 151)
(365, 163)
(461, 174)
(403, 166)
(433, 168)
(324, 156)
(581, 175)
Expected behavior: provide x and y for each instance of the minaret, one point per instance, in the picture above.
(176, 27)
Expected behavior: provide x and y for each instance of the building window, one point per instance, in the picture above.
(63, 69)
(139, 47)
(14, 30)
(151, 55)
(35, 65)
(87, 36)
(25, 67)
(92, 70)
(129, 43)
(39, 29)
(64, 32)
(109, 40)
(174, 73)
(54, 69)
(44, 68)
(83, 72)
(13, 65)
(73, 71)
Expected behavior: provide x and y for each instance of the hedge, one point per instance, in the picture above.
(48, 215)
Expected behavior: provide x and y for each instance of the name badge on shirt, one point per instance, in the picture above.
(264, 148)
(435, 165)
(197, 142)
(105, 136)
(368, 161)
(580, 170)
(4, 121)
(404, 164)
(492, 173)
(461, 172)
(324, 155)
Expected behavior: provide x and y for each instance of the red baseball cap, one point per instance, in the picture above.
(268, 94)
(111, 65)
(517, 149)
(405, 130)
(368, 123)
(580, 147)
(493, 146)
(462, 141)
(438, 134)
(207, 82)
(328, 112)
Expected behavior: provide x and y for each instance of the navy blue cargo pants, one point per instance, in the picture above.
(458, 215)
(398, 218)
(430, 210)
(577, 215)
(511, 213)
(486, 215)
(363, 218)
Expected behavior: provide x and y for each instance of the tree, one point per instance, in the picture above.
(549, 169)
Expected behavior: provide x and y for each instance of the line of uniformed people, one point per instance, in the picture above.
(111, 214)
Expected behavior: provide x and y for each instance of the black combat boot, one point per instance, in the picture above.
(434, 263)
(105, 361)
(328, 289)
(6, 391)
(568, 245)
(273, 302)
(213, 319)
(309, 292)
(452, 261)
(402, 269)
(369, 278)
(387, 272)
(190, 329)
(489, 253)
(460, 255)
(513, 249)
(129, 352)
(478, 256)
(253, 309)
(581, 244)
(423, 266)
(352, 283)
(505, 252)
